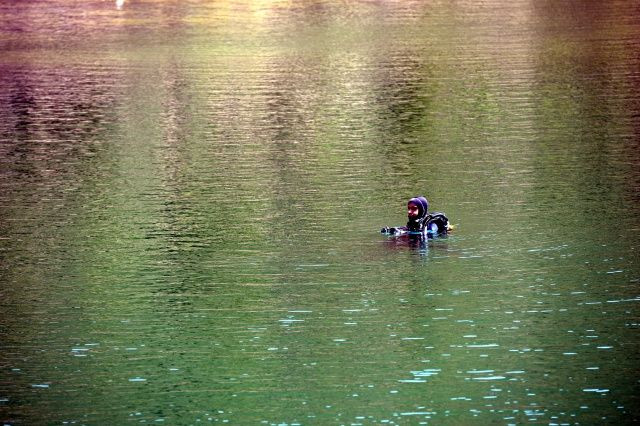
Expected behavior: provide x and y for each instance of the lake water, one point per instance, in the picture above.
(191, 194)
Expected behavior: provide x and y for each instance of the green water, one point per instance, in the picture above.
(191, 194)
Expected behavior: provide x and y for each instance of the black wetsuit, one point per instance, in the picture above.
(430, 224)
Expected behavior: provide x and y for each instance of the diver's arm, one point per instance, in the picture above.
(394, 230)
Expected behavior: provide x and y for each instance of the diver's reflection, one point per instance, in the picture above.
(416, 242)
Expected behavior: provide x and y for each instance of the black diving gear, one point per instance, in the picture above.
(424, 222)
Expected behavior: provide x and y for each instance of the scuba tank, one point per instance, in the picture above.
(439, 220)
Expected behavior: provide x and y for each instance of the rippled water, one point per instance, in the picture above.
(191, 194)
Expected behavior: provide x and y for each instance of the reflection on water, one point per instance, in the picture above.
(191, 196)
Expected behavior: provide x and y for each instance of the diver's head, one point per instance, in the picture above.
(417, 208)
(413, 210)
(417, 212)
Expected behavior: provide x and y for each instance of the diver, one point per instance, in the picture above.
(420, 221)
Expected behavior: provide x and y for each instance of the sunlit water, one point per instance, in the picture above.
(191, 194)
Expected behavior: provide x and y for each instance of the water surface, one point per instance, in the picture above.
(191, 194)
